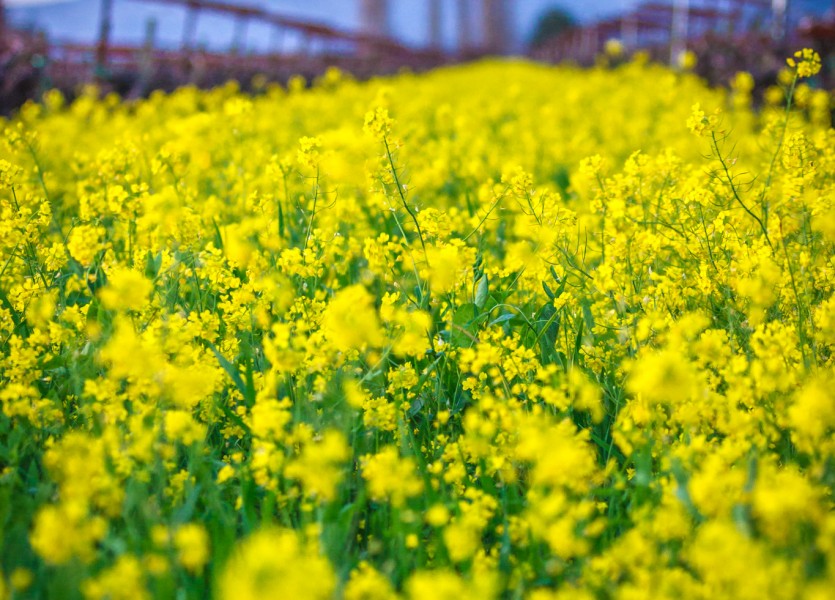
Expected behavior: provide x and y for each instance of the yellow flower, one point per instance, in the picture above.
(461, 541)
(309, 151)
(226, 473)
(437, 515)
(126, 289)
(664, 376)
(85, 241)
(21, 578)
(519, 181)
(614, 47)
(687, 60)
(807, 62)
(192, 544)
(445, 268)
(64, 532)
(125, 580)
(366, 583)
(443, 584)
(391, 477)
(700, 123)
(378, 123)
(812, 415)
(350, 320)
(8, 173)
(413, 339)
(274, 563)
(320, 465)
(181, 427)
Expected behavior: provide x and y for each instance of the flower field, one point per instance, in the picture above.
(497, 331)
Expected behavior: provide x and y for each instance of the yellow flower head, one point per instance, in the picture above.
(350, 320)
(378, 123)
(126, 289)
(309, 151)
(700, 123)
(275, 563)
(192, 543)
(806, 61)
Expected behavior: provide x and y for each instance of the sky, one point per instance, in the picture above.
(77, 20)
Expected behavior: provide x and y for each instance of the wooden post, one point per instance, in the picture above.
(465, 35)
(2, 24)
(374, 17)
(494, 18)
(189, 27)
(239, 41)
(436, 22)
(276, 40)
(147, 67)
(374, 23)
(105, 22)
(150, 43)
(629, 31)
(732, 15)
(586, 50)
(679, 30)
(304, 43)
(779, 17)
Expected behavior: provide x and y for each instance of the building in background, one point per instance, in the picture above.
(496, 18)
(374, 17)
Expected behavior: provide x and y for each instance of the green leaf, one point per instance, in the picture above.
(218, 237)
(247, 391)
(501, 319)
(562, 282)
(229, 368)
(98, 314)
(587, 316)
(415, 407)
(464, 325)
(578, 341)
(550, 319)
(482, 291)
(280, 218)
(152, 265)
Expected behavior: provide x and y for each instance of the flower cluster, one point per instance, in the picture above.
(514, 343)
(806, 61)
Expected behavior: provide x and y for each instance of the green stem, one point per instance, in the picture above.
(403, 197)
(779, 148)
(735, 192)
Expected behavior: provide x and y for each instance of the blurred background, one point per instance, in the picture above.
(135, 46)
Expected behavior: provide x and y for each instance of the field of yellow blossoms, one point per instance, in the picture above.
(497, 331)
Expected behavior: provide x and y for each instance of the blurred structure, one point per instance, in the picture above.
(552, 23)
(374, 17)
(28, 64)
(436, 25)
(374, 23)
(716, 38)
(496, 22)
(465, 27)
(673, 24)
(483, 26)
(22, 65)
(780, 13)
(105, 25)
